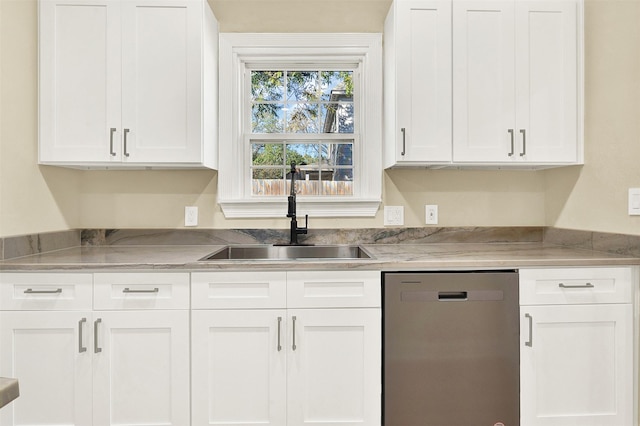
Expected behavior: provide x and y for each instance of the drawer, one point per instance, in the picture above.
(238, 290)
(45, 291)
(576, 286)
(333, 289)
(141, 290)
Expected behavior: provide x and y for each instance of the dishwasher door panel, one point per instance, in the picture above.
(451, 349)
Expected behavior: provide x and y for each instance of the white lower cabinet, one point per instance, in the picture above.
(576, 354)
(84, 367)
(287, 363)
(44, 350)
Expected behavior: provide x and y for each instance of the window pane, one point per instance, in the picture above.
(302, 118)
(302, 86)
(270, 154)
(267, 85)
(337, 154)
(336, 84)
(302, 154)
(267, 118)
(268, 182)
(337, 118)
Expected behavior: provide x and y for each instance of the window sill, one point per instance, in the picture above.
(277, 207)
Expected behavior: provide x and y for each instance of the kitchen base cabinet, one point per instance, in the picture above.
(308, 355)
(141, 368)
(332, 365)
(124, 362)
(239, 367)
(576, 352)
(576, 369)
(45, 351)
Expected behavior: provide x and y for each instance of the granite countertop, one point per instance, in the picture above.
(8, 390)
(385, 257)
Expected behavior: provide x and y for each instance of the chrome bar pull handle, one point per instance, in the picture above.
(81, 346)
(111, 132)
(293, 346)
(32, 291)
(512, 142)
(279, 324)
(524, 142)
(587, 285)
(153, 290)
(404, 141)
(96, 346)
(530, 341)
(126, 132)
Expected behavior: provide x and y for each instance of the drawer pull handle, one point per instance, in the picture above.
(128, 290)
(279, 323)
(404, 141)
(530, 341)
(293, 346)
(32, 291)
(96, 346)
(81, 346)
(587, 285)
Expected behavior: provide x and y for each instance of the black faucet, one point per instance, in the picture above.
(295, 231)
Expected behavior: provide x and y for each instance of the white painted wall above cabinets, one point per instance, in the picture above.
(128, 84)
(492, 84)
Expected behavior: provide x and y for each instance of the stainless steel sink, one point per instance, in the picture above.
(274, 252)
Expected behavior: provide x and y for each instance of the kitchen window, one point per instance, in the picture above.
(310, 99)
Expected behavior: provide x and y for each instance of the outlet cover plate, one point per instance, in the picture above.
(431, 214)
(393, 215)
(634, 201)
(190, 216)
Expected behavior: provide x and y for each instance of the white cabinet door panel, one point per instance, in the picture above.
(239, 367)
(334, 367)
(546, 69)
(141, 368)
(80, 80)
(43, 350)
(161, 81)
(576, 364)
(423, 61)
(483, 80)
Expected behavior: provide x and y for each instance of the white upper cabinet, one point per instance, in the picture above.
(418, 82)
(128, 83)
(483, 83)
(515, 82)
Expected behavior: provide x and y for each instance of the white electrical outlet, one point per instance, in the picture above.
(634, 201)
(393, 215)
(431, 214)
(190, 216)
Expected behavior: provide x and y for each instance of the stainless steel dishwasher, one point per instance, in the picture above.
(451, 349)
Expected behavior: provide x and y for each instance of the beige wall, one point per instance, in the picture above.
(593, 197)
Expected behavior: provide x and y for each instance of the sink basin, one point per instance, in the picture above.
(272, 252)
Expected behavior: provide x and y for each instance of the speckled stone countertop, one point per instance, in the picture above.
(384, 257)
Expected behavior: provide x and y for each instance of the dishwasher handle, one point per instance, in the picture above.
(452, 295)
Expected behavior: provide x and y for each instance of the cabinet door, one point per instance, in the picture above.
(423, 81)
(48, 353)
(141, 368)
(161, 81)
(79, 89)
(546, 90)
(483, 81)
(334, 364)
(239, 367)
(576, 364)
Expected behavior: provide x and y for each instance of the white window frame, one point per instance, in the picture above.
(239, 49)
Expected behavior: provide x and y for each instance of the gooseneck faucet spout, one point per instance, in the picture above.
(291, 212)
